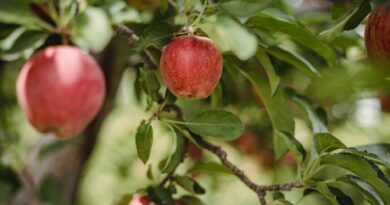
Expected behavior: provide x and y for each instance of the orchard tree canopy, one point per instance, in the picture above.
(194, 102)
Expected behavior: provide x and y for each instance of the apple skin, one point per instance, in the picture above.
(191, 66)
(142, 5)
(140, 200)
(60, 89)
(377, 35)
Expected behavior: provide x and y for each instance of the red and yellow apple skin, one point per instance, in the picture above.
(377, 35)
(191, 66)
(60, 89)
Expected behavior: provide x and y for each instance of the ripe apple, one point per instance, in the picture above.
(140, 200)
(248, 142)
(143, 5)
(377, 35)
(191, 66)
(61, 89)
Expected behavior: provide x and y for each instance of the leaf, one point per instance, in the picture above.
(177, 156)
(269, 68)
(364, 188)
(28, 39)
(150, 84)
(144, 141)
(212, 167)
(158, 34)
(351, 21)
(341, 197)
(382, 150)
(363, 169)
(149, 173)
(160, 195)
(293, 145)
(243, 8)
(325, 142)
(229, 35)
(216, 123)
(317, 118)
(50, 191)
(189, 184)
(125, 199)
(190, 200)
(18, 12)
(294, 59)
(91, 29)
(296, 31)
(278, 111)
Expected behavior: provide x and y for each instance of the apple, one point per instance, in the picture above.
(377, 35)
(60, 89)
(289, 159)
(247, 142)
(143, 5)
(140, 200)
(191, 66)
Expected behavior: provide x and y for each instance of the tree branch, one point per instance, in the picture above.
(260, 190)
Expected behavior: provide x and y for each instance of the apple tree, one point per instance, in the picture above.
(278, 83)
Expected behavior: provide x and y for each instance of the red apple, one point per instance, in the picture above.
(140, 200)
(248, 142)
(377, 35)
(61, 89)
(191, 66)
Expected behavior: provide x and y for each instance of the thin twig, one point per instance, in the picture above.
(133, 38)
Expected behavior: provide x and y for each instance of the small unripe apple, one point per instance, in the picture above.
(377, 35)
(61, 89)
(140, 200)
(143, 5)
(191, 66)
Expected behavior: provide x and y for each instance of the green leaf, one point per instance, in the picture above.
(296, 31)
(216, 123)
(91, 29)
(278, 110)
(294, 59)
(381, 150)
(177, 156)
(349, 22)
(364, 188)
(18, 12)
(325, 142)
(158, 34)
(125, 199)
(229, 35)
(243, 8)
(144, 141)
(363, 169)
(269, 68)
(29, 39)
(149, 173)
(190, 200)
(160, 195)
(316, 116)
(50, 191)
(293, 145)
(189, 184)
(341, 197)
(150, 84)
(210, 167)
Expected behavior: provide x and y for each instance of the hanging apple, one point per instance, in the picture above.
(61, 89)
